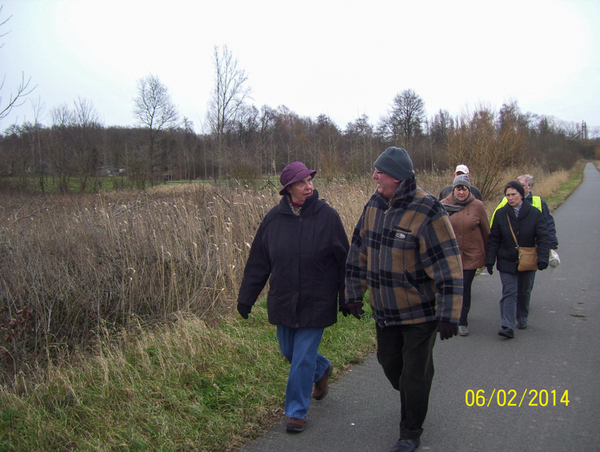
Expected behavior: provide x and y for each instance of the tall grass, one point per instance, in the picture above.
(71, 266)
(182, 386)
(116, 325)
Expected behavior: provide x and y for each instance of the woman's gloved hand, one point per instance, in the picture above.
(244, 310)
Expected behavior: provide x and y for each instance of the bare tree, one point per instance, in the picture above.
(60, 149)
(34, 141)
(86, 124)
(441, 126)
(16, 98)
(405, 120)
(229, 95)
(188, 146)
(362, 145)
(267, 140)
(325, 149)
(156, 112)
(487, 148)
(438, 130)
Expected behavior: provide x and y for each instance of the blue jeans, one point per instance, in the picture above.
(307, 366)
(516, 293)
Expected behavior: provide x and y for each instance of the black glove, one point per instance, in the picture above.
(244, 310)
(342, 303)
(356, 309)
(490, 268)
(447, 329)
(344, 310)
(542, 265)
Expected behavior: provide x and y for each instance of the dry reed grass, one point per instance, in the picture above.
(179, 385)
(71, 266)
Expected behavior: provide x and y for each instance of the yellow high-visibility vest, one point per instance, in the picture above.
(536, 201)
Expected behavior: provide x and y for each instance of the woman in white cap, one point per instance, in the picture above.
(301, 248)
(460, 170)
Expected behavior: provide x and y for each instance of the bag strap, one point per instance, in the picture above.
(511, 230)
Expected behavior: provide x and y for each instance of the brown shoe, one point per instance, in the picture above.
(321, 386)
(295, 425)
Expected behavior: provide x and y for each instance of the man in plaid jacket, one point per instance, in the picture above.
(404, 252)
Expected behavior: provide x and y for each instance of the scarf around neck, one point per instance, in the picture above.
(460, 205)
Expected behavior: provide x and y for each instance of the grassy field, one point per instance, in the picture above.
(122, 333)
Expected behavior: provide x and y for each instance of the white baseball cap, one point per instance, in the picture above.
(462, 169)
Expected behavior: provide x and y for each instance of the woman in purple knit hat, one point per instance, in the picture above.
(300, 248)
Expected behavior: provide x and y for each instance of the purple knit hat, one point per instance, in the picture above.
(294, 172)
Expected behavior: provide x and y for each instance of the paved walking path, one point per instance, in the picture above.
(558, 352)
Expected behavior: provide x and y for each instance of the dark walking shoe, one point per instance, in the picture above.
(406, 445)
(321, 386)
(506, 332)
(295, 425)
(521, 326)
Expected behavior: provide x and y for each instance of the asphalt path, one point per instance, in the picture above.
(490, 393)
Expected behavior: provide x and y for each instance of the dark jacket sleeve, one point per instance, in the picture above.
(551, 225)
(476, 193)
(494, 240)
(445, 192)
(543, 240)
(341, 247)
(356, 264)
(257, 270)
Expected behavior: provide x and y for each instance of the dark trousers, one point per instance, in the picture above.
(406, 354)
(516, 294)
(468, 277)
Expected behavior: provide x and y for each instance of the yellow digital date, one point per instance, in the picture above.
(514, 398)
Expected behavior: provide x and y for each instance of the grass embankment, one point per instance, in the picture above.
(182, 387)
(199, 382)
(558, 192)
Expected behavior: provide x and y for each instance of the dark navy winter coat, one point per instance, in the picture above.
(303, 258)
(530, 229)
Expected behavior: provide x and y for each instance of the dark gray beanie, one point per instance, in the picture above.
(395, 162)
(462, 179)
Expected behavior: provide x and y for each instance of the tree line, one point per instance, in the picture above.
(76, 152)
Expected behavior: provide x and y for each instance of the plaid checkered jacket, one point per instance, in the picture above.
(405, 253)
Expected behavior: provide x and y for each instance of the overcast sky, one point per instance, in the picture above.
(339, 58)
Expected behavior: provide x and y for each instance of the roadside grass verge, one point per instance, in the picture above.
(183, 386)
(208, 381)
(567, 186)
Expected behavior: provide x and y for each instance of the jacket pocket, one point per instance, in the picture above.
(403, 239)
(411, 280)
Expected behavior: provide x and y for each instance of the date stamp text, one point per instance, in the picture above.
(514, 398)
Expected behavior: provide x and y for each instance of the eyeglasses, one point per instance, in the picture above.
(377, 172)
(461, 188)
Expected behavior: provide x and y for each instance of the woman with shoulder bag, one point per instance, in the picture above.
(521, 221)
